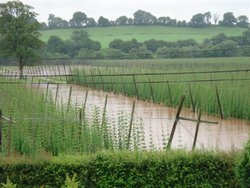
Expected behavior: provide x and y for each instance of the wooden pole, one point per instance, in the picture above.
(151, 90)
(136, 90)
(69, 99)
(197, 129)
(85, 103)
(219, 103)
(130, 124)
(169, 92)
(56, 96)
(191, 98)
(1, 136)
(101, 77)
(175, 122)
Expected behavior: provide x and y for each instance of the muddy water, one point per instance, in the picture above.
(158, 120)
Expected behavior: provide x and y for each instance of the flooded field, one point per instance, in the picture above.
(158, 120)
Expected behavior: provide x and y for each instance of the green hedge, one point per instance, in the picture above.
(127, 169)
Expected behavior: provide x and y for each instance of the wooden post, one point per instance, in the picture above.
(175, 122)
(85, 80)
(104, 111)
(136, 90)
(219, 103)
(123, 87)
(169, 92)
(9, 137)
(47, 91)
(56, 96)
(197, 129)
(85, 103)
(191, 98)
(93, 82)
(69, 99)
(151, 90)
(130, 124)
(101, 78)
(1, 136)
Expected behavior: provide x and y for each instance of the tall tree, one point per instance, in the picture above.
(103, 21)
(122, 20)
(243, 21)
(228, 20)
(57, 22)
(19, 33)
(198, 20)
(144, 18)
(79, 19)
(208, 16)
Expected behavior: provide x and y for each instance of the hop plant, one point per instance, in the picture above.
(8, 184)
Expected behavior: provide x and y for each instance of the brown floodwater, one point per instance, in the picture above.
(158, 120)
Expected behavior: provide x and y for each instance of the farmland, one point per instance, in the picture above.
(142, 33)
(205, 81)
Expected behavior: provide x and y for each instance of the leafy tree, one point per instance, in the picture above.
(140, 53)
(116, 44)
(19, 33)
(144, 18)
(56, 44)
(57, 22)
(43, 25)
(80, 40)
(198, 20)
(208, 16)
(122, 20)
(242, 21)
(90, 22)
(130, 21)
(79, 19)
(164, 20)
(103, 22)
(228, 20)
(110, 53)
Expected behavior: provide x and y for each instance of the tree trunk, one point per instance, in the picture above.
(21, 68)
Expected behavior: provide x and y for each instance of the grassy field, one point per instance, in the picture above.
(164, 81)
(142, 33)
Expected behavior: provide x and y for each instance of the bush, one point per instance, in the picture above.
(243, 167)
(127, 169)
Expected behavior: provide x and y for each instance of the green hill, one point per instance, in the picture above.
(106, 34)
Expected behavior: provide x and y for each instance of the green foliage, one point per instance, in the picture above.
(128, 169)
(19, 32)
(8, 184)
(243, 167)
(71, 182)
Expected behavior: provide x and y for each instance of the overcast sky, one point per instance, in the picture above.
(112, 9)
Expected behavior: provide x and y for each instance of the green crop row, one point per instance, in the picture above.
(215, 92)
(33, 123)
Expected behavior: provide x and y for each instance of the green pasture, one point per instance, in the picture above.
(142, 33)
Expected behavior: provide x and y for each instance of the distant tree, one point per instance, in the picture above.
(227, 48)
(122, 20)
(152, 45)
(140, 53)
(103, 22)
(56, 44)
(198, 20)
(144, 18)
(116, 44)
(216, 18)
(43, 25)
(242, 21)
(56, 22)
(90, 22)
(208, 16)
(79, 19)
(110, 53)
(164, 20)
(19, 33)
(228, 20)
(130, 21)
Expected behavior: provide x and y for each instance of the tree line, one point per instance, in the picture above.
(80, 19)
(81, 46)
